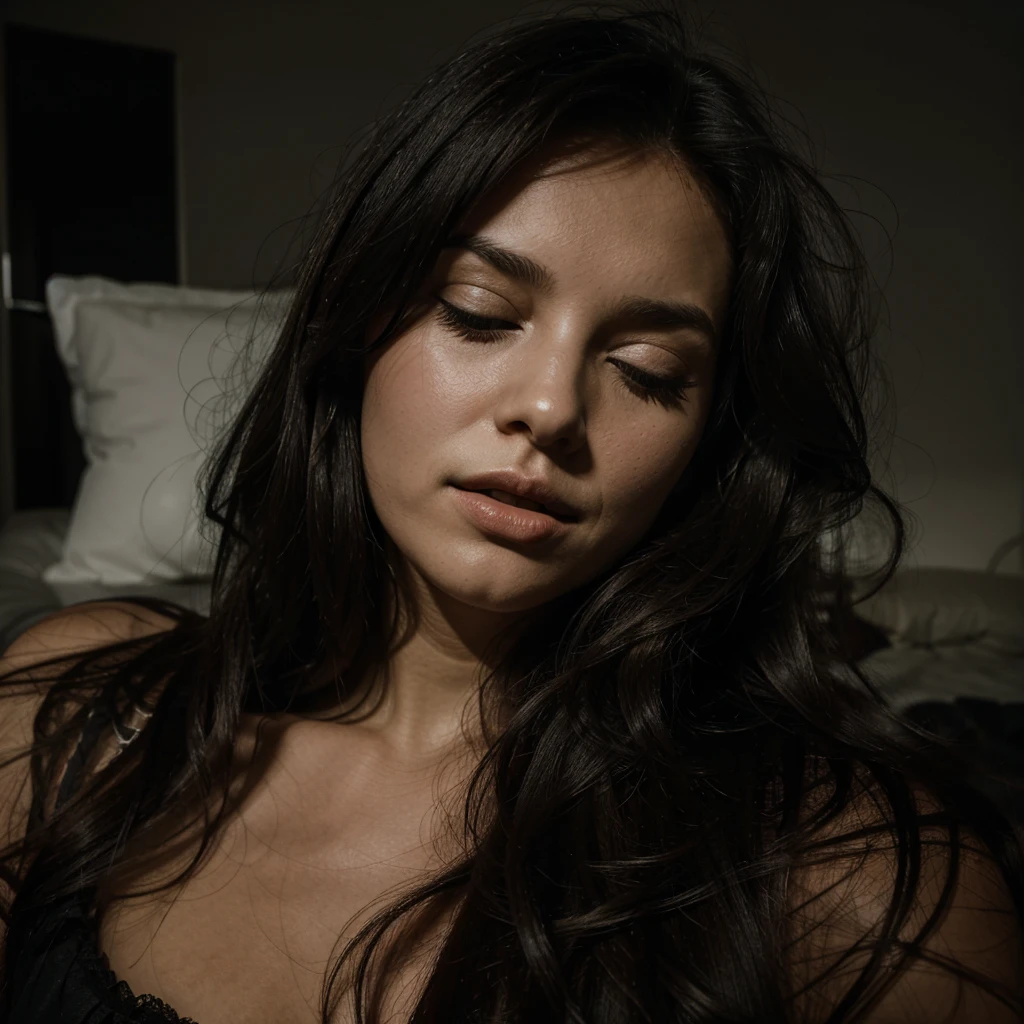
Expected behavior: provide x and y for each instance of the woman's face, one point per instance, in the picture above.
(584, 285)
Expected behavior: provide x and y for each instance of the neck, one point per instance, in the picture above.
(424, 701)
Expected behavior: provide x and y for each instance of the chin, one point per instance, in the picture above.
(498, 596)
(488, 585)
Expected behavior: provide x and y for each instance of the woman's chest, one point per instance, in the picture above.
(252, 935)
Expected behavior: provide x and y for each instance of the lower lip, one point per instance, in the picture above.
(508, 521)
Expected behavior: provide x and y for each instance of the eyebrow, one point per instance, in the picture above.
(634, 309)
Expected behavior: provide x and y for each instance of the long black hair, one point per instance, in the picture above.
(667, 741)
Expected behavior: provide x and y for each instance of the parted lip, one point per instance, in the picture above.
(533, 488)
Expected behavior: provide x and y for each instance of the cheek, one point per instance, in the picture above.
(413, 401)
(640, 471)
(394, 411)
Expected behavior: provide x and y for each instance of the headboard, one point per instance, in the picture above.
(47, 451)
(113, 213)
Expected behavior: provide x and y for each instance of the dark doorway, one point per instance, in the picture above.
(91, 189)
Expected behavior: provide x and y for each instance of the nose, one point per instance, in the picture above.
(542, 397)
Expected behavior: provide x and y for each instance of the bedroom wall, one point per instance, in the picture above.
(919, 107)
(268, 92)
(917, 104)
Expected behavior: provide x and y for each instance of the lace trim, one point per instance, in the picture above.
(138, 1009)
(143, 1009)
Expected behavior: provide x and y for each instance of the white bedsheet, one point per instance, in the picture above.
(30, 541)
(911, 674)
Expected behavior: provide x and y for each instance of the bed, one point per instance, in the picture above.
(30, 542)
(154, 371)
(143, 374)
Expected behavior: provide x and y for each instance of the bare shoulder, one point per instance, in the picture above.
(77, 629)
(840, 896)
(25, 668)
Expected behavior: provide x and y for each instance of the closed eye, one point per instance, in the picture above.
(666, 391)
(471, 326)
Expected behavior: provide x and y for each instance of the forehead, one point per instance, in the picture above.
(629, 222)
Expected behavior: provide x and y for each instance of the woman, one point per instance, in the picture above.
(515, 701)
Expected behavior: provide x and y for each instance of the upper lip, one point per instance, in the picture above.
(533, 488)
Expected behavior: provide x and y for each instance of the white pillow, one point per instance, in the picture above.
(146, 362)
(933, 606)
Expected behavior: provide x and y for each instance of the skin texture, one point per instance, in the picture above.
(545, 399)
(330, 819)
(333, 818)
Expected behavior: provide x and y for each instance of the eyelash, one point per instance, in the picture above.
(668, 391)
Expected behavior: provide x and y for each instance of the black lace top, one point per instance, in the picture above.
(63, 978)
(60, 976)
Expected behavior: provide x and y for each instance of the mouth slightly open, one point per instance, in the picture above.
(499, 518)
